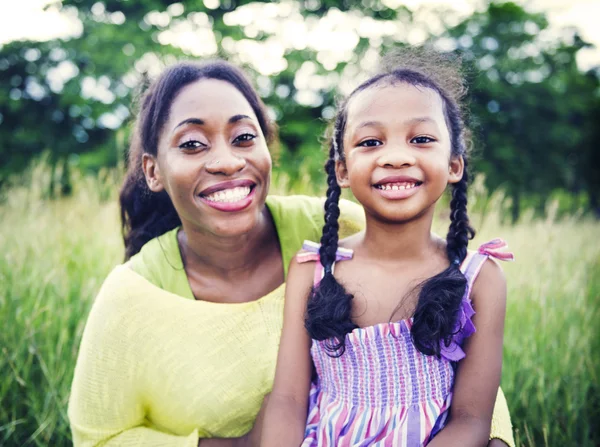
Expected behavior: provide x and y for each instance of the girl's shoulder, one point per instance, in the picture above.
(485, 277)
(483, 259)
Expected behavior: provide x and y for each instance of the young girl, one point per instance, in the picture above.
(403, 338)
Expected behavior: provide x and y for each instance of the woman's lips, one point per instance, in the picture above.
(234, 195)
(227, 200)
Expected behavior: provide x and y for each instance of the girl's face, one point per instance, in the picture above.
(212, 160)
(397, 151)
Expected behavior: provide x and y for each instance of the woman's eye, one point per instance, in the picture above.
(244, 138)
(191, 145)
(422, 140)
(371, 142)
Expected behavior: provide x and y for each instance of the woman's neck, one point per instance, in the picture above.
(399, 241)
(232, 256)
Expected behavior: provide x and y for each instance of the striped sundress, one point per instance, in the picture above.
(383, 391)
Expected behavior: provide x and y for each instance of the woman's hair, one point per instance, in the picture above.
(328, 315)
(146, 214)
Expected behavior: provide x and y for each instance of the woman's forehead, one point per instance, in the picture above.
(210, 100)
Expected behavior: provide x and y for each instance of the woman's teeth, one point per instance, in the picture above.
(395, 186)
(229, 195)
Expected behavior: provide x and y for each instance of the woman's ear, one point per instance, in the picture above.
(152, 173)
(341, 174)
(456, 168)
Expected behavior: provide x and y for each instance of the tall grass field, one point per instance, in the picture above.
(54, 255)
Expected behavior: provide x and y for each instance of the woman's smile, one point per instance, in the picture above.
(231, 196)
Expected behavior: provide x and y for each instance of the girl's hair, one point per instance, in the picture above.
(328, 315)
(146, 214)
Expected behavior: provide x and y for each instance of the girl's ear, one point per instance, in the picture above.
(152, 173)
(456, 168)
(341, 174)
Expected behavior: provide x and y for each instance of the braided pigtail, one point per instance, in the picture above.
(460, 231)
(329, 305)
(440, 297)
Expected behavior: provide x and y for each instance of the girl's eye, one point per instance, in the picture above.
(371, 142)
(422, 140)
(244, 139)
(191, 145)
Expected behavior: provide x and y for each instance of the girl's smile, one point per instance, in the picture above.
(397, 187)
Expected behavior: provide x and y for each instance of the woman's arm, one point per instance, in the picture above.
(478, 375)
(501, 434)
(285, 417)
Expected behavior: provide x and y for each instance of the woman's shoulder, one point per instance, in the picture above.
(303, 209)
(155, 253)
(124, 283)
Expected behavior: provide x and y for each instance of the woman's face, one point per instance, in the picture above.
(212, 160)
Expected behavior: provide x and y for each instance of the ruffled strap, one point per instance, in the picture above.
(471, 267)
(310, 252)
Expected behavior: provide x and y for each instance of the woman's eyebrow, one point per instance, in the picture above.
(236, 118)
(197, 121)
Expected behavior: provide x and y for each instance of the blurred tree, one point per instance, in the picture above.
(530, 103)
(533, 107)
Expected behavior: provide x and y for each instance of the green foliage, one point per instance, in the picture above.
(534, 112)
(56, 253)
(529, 102)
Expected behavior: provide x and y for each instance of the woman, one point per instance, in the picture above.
(181, 342)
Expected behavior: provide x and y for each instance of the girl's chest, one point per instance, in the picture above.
(379, 295)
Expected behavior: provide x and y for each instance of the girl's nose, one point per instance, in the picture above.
(396, 157)
(225, 162)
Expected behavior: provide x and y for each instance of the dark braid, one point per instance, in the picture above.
(435, 318)
(440, 297)
(460, 231)
(329, 306)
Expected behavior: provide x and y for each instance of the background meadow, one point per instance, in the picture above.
(56, 253)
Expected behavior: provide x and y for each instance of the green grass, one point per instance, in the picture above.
(55, 254)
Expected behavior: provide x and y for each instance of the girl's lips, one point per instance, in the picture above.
(231, 206)
(398, 194)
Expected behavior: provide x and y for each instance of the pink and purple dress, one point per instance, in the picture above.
(382, 391)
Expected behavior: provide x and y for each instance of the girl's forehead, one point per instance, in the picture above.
(398, 101)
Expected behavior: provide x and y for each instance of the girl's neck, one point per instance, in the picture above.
(399, 241)
(228, 256)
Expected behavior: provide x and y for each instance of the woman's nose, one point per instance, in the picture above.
(225, 162)
(396, 156)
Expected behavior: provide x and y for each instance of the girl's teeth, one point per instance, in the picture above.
(397, 187)
(229, 195)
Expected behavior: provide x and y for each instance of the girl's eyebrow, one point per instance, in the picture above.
(420, 119)
(369, 124)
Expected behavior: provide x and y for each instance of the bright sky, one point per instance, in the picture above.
(26, 19)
